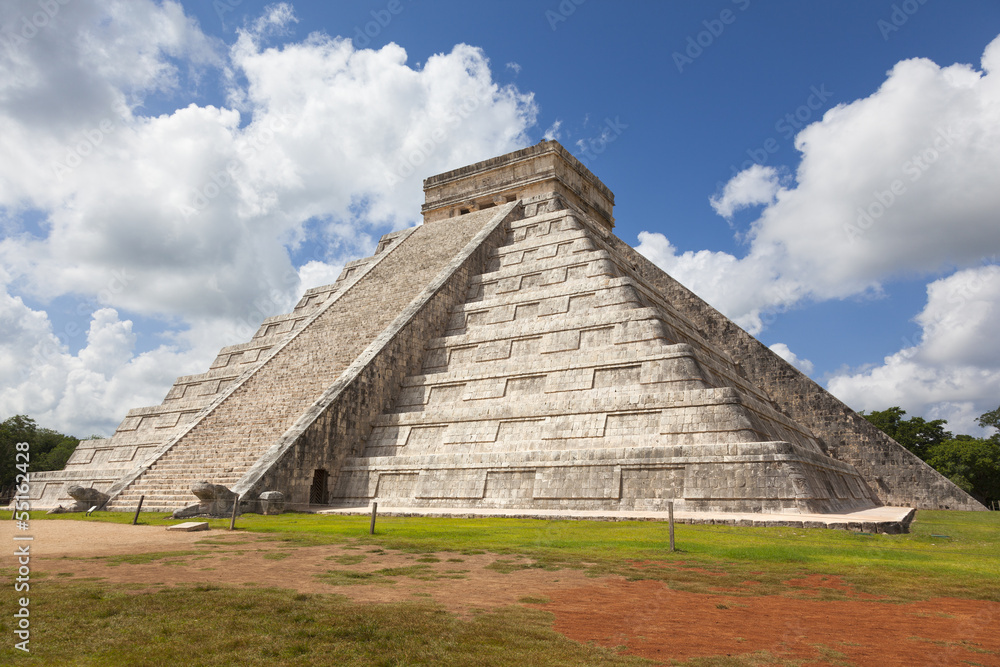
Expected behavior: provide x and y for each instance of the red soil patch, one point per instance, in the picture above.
(646, 617)
(675, 565)
(814, 583)
(655, 622)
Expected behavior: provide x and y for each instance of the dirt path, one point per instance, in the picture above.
(93, 538)
(645, 617)
(458, 582)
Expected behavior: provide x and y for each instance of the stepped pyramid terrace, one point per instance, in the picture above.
(511, 353)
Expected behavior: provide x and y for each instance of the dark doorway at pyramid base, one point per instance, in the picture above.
(317, 492)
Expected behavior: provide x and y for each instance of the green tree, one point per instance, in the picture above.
(973, 464)
(18, 428)
(49, 450)
(990, 419)
(56, 458)
(915, 433)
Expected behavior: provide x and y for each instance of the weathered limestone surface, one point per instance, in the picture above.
(215, 499)
(145, 431)
(561, 383)
(509, 353)
(896, 475)
(85, 497)
(272, 502)
(536, 172)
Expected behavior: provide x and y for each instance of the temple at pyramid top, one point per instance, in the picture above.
(537, 171)
(511, 353)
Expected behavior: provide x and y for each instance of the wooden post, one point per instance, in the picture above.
(670, 519)
(136, 517)
(371, 529)
(236, 507)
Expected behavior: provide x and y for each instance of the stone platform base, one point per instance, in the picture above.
(890, 520)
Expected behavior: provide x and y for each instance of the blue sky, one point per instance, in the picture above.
(171, 173)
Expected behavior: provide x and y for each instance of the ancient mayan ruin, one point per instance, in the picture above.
(510, 352)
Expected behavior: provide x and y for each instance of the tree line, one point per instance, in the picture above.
(973, 464)
(48, 450)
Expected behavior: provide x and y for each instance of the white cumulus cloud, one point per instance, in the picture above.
(749, 290)
(953, 370)
(86, 392)
(204, 217)
(751, 187)
(896, 184)
(553, 132)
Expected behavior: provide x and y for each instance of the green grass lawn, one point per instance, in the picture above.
(89, 623)
(965, 562)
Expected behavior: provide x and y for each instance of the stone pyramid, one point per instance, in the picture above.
(510, 352)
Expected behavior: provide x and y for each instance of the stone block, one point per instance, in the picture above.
(189, 526)
(272, 502)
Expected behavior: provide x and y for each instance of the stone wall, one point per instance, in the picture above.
(538, 171)
(897, 476)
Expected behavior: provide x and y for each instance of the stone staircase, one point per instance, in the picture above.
(145, 430)
(295, 358)
(563, 382)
